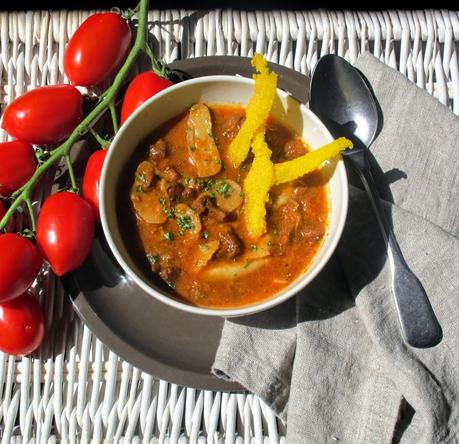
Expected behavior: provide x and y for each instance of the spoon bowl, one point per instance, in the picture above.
(342, 100)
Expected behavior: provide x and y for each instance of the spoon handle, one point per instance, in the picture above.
(419, 324)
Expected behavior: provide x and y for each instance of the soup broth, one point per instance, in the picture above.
(188, 204)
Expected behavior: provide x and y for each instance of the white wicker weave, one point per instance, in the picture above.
(74, 389)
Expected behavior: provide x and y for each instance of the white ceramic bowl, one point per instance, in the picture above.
(170, 103)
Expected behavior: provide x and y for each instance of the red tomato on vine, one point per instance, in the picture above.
(22, 325)
(91, 179)
(44, 115)
(17, 165)
(97, 49)
(65, 231)
(20, 263)
(141, 88)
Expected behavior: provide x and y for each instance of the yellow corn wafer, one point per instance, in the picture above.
(257, 184)
(257, 111)
(293, 169)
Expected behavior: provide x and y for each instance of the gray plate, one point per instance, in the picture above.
(167, 343)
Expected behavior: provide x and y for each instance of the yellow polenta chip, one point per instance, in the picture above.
(293, 169)
(257, 184)
(257, 111)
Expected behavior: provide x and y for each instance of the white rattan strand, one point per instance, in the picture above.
(74, 389)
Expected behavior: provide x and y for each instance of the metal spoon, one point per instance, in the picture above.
(342, 99)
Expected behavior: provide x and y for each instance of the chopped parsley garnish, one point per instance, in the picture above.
(153, 258)
(253, 247)
(141, 177)
(270, 244)
(224, 189)
(208, 184)
(205, 235)
(238, 178)
(210, 134)
(184, 223)
(247, 265)
(168, 236)
(138, 189)
(169, 213)
(219, 162)
(191, 148)
(187, 180)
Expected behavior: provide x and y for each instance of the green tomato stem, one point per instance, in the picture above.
(108, 98)
(100, 140)
(154, 63)
(31, 214)
(114, 117)
(71, 173)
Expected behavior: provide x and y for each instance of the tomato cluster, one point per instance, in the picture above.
(46, 116)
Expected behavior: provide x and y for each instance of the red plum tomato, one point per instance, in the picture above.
(44, 115)
(91, 179)
(20, 263)
(65, 231)
(22, 325)
(141, 88)
(17, 165)
(97, 49)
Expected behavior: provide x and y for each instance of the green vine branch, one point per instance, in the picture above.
(156, 66)
(31, 213)
(73, 182)
(22, 195)
(104, 143)
(114, 117)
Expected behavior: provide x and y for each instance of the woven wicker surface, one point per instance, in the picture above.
(74, 389)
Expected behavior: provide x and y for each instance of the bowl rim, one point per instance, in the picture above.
(277, 298)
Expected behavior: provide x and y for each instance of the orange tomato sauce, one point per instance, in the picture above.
(190, 229)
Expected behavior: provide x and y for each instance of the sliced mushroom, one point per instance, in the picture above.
(201, 144)
(233, 270)
(228, 195)
(149, 206)
(187, 220)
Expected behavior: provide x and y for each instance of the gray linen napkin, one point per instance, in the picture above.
(332, 363)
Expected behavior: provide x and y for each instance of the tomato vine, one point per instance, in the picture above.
(107, 102)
